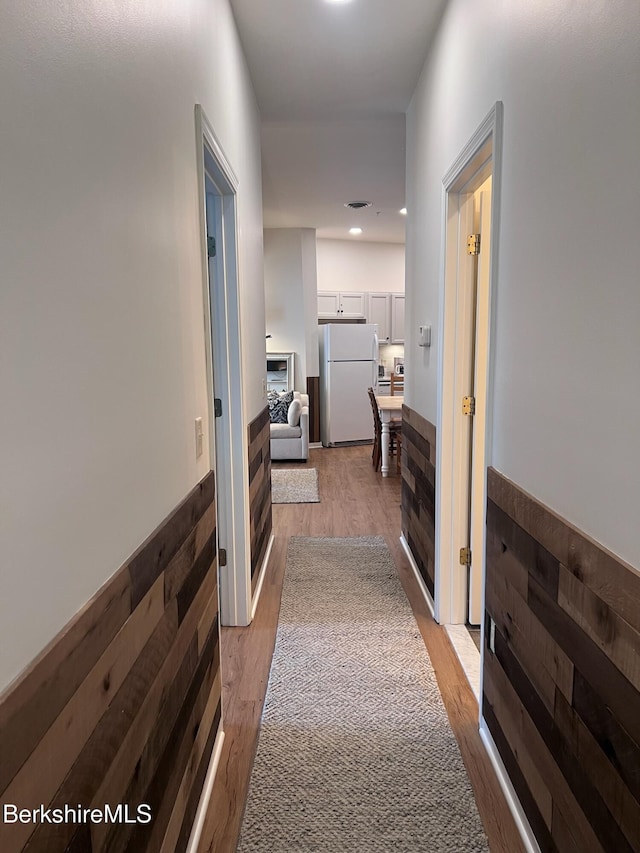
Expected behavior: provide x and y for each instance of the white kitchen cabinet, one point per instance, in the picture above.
(343, 305)
(397, 318)
(353, 305)
(328, 304)
(380, 313)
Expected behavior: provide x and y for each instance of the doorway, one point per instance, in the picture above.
(471, 207)
(227, 434)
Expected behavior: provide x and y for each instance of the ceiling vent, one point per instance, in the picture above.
(358, 205)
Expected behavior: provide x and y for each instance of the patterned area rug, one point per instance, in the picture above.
(355, 751)
(294, 486)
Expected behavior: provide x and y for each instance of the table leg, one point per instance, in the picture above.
(386, 440)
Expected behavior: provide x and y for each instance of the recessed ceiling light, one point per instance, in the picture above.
(337, 1)
(355, 230)
(403, 211)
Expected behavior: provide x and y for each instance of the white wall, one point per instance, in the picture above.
(360, 266)
(310, 288)
(103, 360)
(388, 353)
(291, 307)
(566, 343)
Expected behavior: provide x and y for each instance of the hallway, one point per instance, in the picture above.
(354, 501)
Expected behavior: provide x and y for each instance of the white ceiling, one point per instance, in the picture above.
(333, 81)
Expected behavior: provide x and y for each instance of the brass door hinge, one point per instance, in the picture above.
(222, 556)
(473, 244)
(465, 556)
(468, 405)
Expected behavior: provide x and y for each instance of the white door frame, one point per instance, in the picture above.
(228, 442)
(481, 157)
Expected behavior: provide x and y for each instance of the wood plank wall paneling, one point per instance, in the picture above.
(561, 692)
(259, 490)
(418, 491)
(123, 706)
(313, 390)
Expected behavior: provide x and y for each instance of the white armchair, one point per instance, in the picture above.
(291, 440)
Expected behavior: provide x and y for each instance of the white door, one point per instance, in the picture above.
(349, 410)
(480, 379)
(464, 451)
(380, 314)
(228, 447)
(397, 318)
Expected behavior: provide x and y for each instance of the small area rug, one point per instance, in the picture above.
(294, 486)
(356, 754)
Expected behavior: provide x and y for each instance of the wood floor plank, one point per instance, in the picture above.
(354, 501)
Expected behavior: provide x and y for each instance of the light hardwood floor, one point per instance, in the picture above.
(355, 501)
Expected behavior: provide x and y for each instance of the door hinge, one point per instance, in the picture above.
(217, 407)
(465, 556)
(222, 557)
(211, 247)
(473, 244)
(468, 405)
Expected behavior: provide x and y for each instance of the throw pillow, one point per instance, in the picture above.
(279, 406)
(293, 415)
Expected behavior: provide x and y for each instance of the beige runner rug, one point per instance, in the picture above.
(355, 751)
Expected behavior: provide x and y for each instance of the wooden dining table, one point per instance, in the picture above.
(389, 408)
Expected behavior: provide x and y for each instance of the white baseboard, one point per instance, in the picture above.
(263, 571)
(419, 578)
(315, 445)
(522, 824)
(205, 796)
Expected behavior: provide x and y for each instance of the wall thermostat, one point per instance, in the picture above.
(424, 336)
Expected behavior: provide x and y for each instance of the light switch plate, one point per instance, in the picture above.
(424, 336)
(199, 438)
(492, 635)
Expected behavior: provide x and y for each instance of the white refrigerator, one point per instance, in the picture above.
(348, 368)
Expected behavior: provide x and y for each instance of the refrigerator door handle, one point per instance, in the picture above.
(374, 358)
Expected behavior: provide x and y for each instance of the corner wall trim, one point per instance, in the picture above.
(522, 824)
(419, 578)
(263, 571)
(203, 805)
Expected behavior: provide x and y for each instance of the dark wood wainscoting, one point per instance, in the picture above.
(124, 705)
(561, 690)
(418, 491)
(313, 390)
(259, 490)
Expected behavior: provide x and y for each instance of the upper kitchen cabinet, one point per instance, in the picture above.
(342, 306)
(380, 313)
(397, 318)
